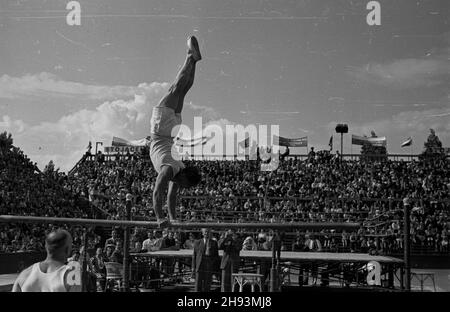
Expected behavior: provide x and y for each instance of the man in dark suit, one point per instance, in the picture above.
(231, 246)
(206, 253)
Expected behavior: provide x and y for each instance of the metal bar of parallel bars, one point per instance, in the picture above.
(179, 225)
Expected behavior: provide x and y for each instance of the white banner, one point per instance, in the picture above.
(359, 140)
(122, 142)
(122, 149)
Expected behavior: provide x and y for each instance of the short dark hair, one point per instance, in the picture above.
(193, 175)
(57, 240)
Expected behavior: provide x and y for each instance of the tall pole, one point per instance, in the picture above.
(342, 144)
(273, 271)
(406, 235)
(126, 247)
(274, 276)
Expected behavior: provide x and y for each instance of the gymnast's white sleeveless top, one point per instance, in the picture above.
(164, 125)
(39, 281)
(164, 122)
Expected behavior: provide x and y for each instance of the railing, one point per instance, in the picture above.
(73, 170)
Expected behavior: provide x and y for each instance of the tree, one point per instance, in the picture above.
(6, 141)
(432, 147)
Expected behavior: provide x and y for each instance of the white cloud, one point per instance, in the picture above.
(65, 140)
(16, 126)
(46, 84)
(209, 114)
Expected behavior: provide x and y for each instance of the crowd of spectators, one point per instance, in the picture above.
(320, 188)
(24, 190)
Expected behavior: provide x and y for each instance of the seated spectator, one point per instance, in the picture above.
(109, 249)
(156, 243)
(262, 243)
(249, 244)
(298, 244)
(136, 248)
(99, 269)
(113, 240)
(148, 242)
(168, 241)
(444, 244)
(117, 255)
(75, 256)
(334, 247)
(189, 243)
(313, 244)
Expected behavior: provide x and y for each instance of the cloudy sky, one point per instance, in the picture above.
(303, 64)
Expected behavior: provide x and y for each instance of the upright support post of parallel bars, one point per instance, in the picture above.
(274, 276)
(84, 275)
(406, 247)
(391, 276)
(126, 249)
(402, 278)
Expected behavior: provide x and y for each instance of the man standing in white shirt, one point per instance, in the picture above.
(52, 274)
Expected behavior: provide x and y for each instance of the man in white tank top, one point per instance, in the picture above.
(164, 125)
(52, 274)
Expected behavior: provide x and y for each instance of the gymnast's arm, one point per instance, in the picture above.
(162, 181)
(172, 196)
(194, 260)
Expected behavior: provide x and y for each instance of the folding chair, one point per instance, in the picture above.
(114, 274)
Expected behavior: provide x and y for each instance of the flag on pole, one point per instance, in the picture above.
(192, 142)
(245, 143)
(330, 144)
(408, 142)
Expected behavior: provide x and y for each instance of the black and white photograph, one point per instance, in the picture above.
(225, 153)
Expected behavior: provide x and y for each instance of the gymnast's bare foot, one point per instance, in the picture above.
(193, 48)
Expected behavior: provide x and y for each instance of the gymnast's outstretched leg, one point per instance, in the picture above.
(184, 79)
